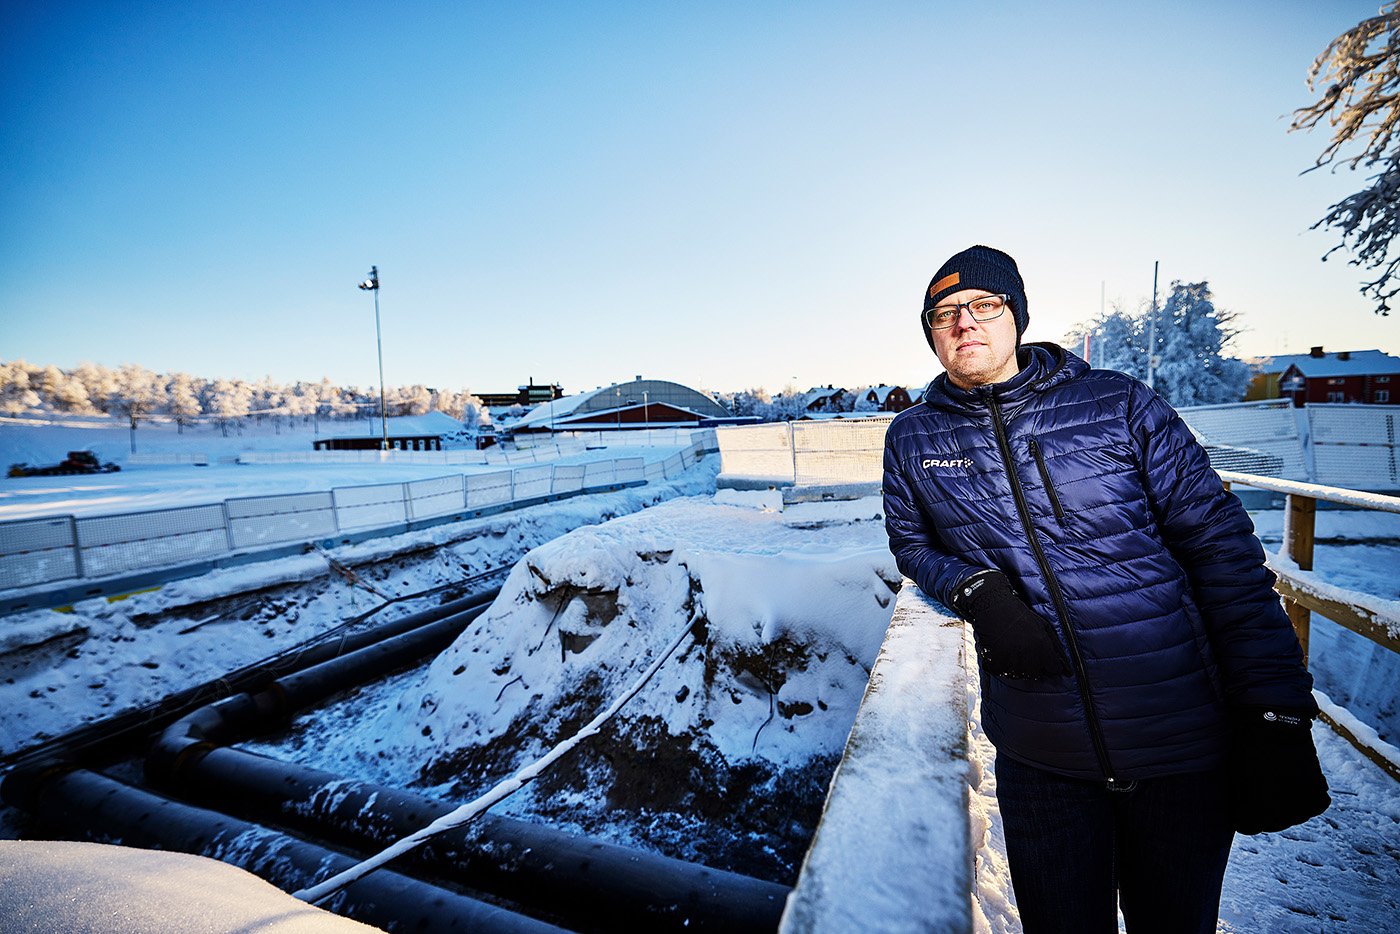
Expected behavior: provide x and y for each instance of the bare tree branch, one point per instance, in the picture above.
(1360, 71)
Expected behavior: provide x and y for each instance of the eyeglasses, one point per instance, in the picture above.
(941, 317)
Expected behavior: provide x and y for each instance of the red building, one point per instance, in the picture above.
(1369, 377)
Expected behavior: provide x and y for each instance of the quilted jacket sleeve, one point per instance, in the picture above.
(1211, 536)
(914, 542)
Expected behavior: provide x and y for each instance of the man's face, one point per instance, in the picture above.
(976, 353)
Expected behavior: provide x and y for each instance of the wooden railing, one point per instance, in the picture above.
(1304, 594)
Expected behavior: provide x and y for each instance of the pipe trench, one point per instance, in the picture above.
(586, 884)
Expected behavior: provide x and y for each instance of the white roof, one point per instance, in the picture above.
(1358, 363)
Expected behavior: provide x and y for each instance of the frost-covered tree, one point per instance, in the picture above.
(229, 399)
(17, 395)
(139, 392)
(1192, 334)
(1191, 339)
(182, 397)
(747, 401)
(1359, 74)
(100, 383)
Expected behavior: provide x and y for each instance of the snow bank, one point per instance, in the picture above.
(60, 886)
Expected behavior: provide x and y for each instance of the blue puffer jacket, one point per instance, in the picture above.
(1092, 495)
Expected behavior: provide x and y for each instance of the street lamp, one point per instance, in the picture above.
(646, 415)
(372, 285)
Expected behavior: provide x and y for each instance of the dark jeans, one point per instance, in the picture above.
(1075, 848)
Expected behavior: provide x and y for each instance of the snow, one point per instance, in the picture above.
(62, 669)
(794, 599)
(94, 887)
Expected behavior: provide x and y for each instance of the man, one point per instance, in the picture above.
(1142, 686)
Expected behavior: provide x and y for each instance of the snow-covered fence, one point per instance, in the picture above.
(894, 840)
(254, 521)
(35, 551)
(1356, 445)
(445, 458)
(129, 541)
(1305, 593)
(47, 550)
(833, 452)
(166, 457)
(1235, 431)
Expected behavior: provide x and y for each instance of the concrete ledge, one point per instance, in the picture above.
(892, 851)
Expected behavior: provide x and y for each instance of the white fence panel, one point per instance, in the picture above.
(630, 469)
(37, 551)
(289, 517)
(656, 470)
(755, 453)
(488, 489)
(1355, 446)
(1270, 427)
(568, 478)
(600, 473)
(158, 458)
(532, 481)
(139, 540)
(844, 451)
(358, 507)
(436, 496)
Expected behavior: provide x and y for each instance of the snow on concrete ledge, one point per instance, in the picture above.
(892, 851)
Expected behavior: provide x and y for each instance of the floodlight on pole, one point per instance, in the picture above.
(372, 285)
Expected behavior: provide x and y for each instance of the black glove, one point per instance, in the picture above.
(1275, 778)
(1012, 641)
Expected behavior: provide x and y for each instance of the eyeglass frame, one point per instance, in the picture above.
(966, 306)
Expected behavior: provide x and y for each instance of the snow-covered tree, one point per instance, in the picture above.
(183, 399)
(138, 394)
(1191, 338)
(17, 395)
(748, 401)
(229, 399)
(100, 383)
(1359, 73)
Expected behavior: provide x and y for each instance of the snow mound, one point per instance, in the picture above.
(745, 722)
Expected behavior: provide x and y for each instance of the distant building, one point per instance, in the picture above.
(818, 399)
(889, 398)
(406, 433)
(528, 395)
(1362, 376)
(641, 403)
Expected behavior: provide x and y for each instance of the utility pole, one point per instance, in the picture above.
(1152, 331)
(372, 285)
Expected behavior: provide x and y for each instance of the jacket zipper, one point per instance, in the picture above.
(1056, 595)
(1045, 478)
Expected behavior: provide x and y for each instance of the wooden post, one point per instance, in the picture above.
(1300, 525)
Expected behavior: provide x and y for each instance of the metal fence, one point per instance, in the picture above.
(1356, 446)
(58, 548)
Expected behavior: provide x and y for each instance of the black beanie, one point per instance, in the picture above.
(978, 267)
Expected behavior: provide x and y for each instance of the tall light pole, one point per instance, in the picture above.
(1152, 330)
(372, 285)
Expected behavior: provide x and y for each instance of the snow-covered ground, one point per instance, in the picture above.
(145, 486)
(794, 601)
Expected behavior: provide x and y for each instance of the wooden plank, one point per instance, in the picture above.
(1341, 613)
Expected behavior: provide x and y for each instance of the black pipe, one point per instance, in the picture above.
(93, 741)
(588, 884)
(513, 859)
(83, 805)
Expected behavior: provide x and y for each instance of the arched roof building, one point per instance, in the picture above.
(640, 403)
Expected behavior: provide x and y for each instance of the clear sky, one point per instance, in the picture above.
(722, 194)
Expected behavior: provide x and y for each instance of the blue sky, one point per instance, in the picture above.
(723, 194)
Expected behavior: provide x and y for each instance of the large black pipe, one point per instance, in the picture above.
(587, 884)
(599, 882)
(105, 737)
(83, 805)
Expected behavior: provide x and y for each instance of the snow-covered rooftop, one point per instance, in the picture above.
(1335, 363)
